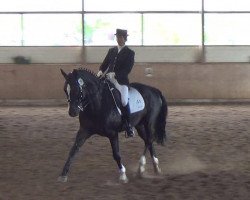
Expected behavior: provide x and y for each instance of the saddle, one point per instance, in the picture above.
(136, 101)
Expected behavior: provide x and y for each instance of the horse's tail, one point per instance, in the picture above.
(160, 129)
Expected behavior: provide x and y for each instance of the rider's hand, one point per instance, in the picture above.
(99, 73)
(110, 75)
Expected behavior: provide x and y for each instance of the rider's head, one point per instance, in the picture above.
(121, 36)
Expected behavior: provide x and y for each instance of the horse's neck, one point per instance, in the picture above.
(100, 99)
(95, 99)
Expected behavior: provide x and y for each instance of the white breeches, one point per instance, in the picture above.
(123, 89)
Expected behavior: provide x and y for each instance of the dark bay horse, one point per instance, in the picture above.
(90, 98)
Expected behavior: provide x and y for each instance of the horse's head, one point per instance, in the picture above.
(76, 88)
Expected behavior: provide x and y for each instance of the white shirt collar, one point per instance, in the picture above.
(120, 48)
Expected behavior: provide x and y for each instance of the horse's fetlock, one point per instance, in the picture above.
(123, 178)
(142, 160)
(63, 179)
(155, 160)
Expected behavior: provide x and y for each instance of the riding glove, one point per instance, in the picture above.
(99, 73)
(110, 75)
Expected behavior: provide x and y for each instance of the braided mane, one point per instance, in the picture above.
(86, 74)
(87, 70)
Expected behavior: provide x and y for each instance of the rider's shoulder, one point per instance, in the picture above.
(112, 48)
(129, 50)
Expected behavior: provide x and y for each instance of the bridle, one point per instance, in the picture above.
(83, 102)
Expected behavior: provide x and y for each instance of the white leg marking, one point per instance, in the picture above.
(123, 177)
(156, 165)
(62, 179)
(156, 161)
(142, 163)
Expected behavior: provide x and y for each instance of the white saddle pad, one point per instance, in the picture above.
(136, 102)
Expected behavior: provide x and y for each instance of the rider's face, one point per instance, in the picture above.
(120, 40)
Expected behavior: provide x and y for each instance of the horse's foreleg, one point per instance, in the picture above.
(79, 141)
(116, 155)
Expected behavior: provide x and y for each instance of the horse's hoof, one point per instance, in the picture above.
(158, 171)
(123, 178)
(62, 179)
(139, 175)
(141, 169)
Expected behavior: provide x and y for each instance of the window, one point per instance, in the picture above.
(99, 29)
(227, 29)
(10, 34)
(142, 5)
(172, 29)
(226, 5)
(52, 29)
(149, 22)
(41, 23)
(226, 22)
(40, 5)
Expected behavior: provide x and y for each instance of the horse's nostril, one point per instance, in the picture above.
(72, 114)
(73, 111)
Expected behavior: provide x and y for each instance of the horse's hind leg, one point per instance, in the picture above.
(79, 141)
(142, 162)
(150, 130)
(154, 159)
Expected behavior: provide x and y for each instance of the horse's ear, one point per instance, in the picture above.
(64, 74)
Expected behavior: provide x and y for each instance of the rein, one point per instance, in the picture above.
(111, 91)
(85, 101)
(83, 106)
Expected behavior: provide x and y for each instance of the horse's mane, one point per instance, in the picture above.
(86, 73)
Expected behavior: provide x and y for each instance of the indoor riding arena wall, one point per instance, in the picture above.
(178, 81)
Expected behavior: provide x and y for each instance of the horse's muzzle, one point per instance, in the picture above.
(73, 111)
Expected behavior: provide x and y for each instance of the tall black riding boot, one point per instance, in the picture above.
(126, 119)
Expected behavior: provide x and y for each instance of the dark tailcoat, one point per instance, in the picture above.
(121, 63)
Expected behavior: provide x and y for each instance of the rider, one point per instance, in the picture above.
(117, 65)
